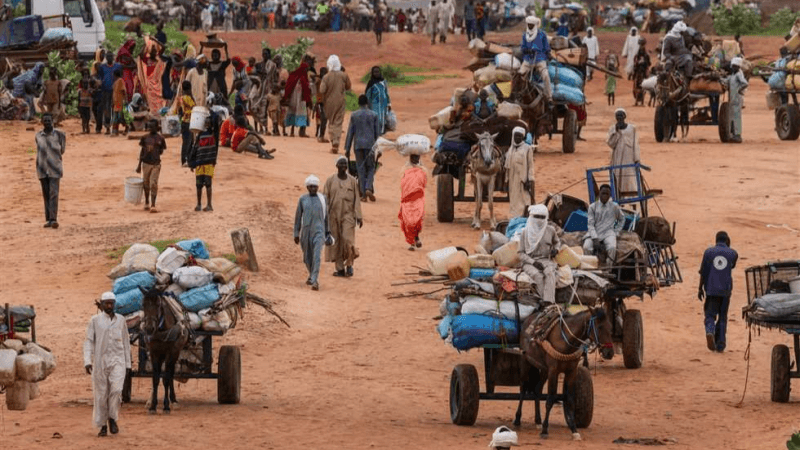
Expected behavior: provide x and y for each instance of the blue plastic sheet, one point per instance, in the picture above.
(561, 74)
(514, 225)
(129, 302)
(134, 281)
(481, 274)
(196, 247)
(475, 330)
(568, 94)
(199, 298)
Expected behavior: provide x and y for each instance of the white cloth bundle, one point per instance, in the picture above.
(407, 144)
(504, 437)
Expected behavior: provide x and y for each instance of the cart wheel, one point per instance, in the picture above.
(570, 134)
(779, 388)
(444, 197)
(632, 339)
(787, 122)
(127, 388)
(658, 123)
(229, 382)
(583, 390)
(724, 120)
(464, 393)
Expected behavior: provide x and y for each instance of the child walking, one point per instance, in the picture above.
(118, 98)
(611, 81)
(85, 95)
(274, 109)
(203, 160)
(185, 111)
(153, 145)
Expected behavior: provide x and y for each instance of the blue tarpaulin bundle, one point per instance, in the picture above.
(196, 247)
(129, 302)
(475, 330)
(199, 298)
(133, 281)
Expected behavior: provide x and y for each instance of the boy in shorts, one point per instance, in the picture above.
(153, 145)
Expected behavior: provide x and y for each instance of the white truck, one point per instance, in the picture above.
(88, 29)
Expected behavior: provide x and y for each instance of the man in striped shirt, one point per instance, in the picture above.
(50, 145)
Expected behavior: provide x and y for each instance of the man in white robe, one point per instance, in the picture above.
(107, 358)
(432, 24)
(592, 49)
(605, 222)
(630, 49)
(624, 142)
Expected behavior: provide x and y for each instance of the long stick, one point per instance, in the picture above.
(603, 69)
(414, 293)
(438, 279)
(266, 305)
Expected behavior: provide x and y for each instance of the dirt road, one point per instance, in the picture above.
(356, 369)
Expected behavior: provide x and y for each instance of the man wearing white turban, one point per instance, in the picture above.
(623, 139)
(535, 52)
(432, 25)
(737, 83)
(519, 167)
(674, 52)
(538, 244)
(107, 357)
(344, 213)
(311, 228)
(630, 49)
(592, 49)
(332, 91)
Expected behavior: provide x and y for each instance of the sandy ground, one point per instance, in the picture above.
(356, 369)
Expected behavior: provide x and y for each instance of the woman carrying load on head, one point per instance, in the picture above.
(412, 201)
(378, 94)
(125, 59)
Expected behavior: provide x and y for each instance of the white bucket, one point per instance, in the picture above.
(199, 116)
(171, 125)
(794, 285)
(134, 188)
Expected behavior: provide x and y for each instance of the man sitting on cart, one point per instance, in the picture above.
(605, 222)
(675, 54)
(538, 245)
(535, 53)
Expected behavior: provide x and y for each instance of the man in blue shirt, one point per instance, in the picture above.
(106, 73)
(362, 133)
(535, 53)
(716, 284)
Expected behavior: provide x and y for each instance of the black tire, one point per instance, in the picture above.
(444, 198)
(724, 120)
(127, 387)
(632, 339)
(787, 122)
(670, 124)
(570, 134)
(779, 386)
(464, 394)
(229, 383)
(658, 123)
(583, 390)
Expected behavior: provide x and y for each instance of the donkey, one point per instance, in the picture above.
(485, 162)
(561, 350)
(165, 336)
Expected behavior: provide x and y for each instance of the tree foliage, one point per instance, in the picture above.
(737, 20)
(783, 19)
(66, 69)
(292, 54)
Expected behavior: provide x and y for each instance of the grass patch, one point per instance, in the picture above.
(397, 75)
(159, 245)
(351, 101)
(230, 257)
(115, 35)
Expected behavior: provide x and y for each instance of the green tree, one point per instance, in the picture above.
(292, 53)
(738, 20)
(66, 69)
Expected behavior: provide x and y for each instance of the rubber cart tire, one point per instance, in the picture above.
(464, 394)
(724, 122)
(779, 386)
(658, 123)
(229, 368)
(444, 198)
(787, 122)
(632, 339)
(127, 388)
(569, 136)
(583, 390)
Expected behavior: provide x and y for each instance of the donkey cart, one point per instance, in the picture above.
(195, 361)
(772, 293)
(502, 367)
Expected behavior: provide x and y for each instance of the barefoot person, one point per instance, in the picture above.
(50, 145)
(344, 213)
(107, 357)
(203, 159)
(412, 201)
(311, 228)
(153, 145)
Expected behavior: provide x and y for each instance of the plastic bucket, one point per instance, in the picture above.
(794, 285)
(198, 120)
(134, 188)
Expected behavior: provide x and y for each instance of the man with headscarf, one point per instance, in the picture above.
(605, 222)
(446, 12)
(412, 201)
(624, 142)
(674, 52)
(311, 228)
(206, 19)
(592, 50)
(332, 89)
(630, 49)
(536, 51)
(737, 83)
(344, 213)
(297, 96)
(538, 244)
(519, 167)
(362, 132)
(197, 77)
(433, 21)
(107, 357)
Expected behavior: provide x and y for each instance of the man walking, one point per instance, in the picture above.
(716, 284)
(107, 357)
(332, 89)
(311, 228)
(469, 20)
(50, 146)
(344, 213)
(624, 142)
(592, 48)
(362, 133)
(605, 222)
(106, 73)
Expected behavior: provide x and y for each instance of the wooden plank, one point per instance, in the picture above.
(243, 247)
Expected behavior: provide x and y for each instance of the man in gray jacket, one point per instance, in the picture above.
(362, 133)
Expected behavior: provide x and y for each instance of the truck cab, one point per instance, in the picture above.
(88, 29)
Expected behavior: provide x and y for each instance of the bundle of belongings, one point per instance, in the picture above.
(512, 275)
(786, 70)
(23, 363)
(779, 304)
(197, 287)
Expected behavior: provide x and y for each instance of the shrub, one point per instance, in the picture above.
(737, 20)
(65, 69)
(783, 19)
(292, 53)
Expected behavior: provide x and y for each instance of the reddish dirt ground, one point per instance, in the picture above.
(356, 369)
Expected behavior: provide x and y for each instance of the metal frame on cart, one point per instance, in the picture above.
(9, 322)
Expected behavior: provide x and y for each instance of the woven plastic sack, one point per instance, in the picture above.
(8, 366)
(196, 247)
(138, 258)
(30, 368)
(200, 298)
(171, 259)
(413, 144)
(506, 61)
(391, 121)
(571, 95)
(475, 330)
(52, 35)
(48, 358)
(133, 281)
(223, 269)
(509, 110)
(478, 305)
(129, 302)
(192, 277)
(492, 240)
(562, 74)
